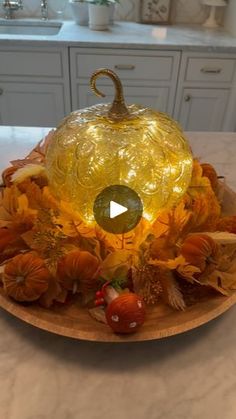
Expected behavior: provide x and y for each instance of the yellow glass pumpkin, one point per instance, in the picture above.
(116, 144)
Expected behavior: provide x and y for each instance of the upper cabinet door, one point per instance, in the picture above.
(203, 109)
(31, 104)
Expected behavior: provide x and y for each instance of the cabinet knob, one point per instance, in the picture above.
(1, 91)
(187, 98)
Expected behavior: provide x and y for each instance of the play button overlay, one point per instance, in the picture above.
(118, 209)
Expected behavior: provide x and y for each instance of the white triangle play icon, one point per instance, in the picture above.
(116, 209)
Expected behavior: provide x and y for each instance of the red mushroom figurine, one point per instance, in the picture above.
(125, 312)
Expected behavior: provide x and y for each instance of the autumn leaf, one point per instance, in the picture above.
(73, 224)
(117, 263)
(98, 314)
(15, 212)
(187, 272)
(172, 222)
(39, 152)
(129, 241)
(37, 155)
(8, 204)
(171, 264)
(54, 290)
(222, 237)
(218, 281)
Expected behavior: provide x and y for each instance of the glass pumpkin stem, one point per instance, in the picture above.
(118, 110)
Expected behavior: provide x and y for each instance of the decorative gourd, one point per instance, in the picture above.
(118, 145)
(26, 277)
(76, 271)
(200, 250)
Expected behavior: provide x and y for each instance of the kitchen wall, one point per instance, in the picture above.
(182, 11)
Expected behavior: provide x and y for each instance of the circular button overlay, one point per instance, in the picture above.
(118, 209)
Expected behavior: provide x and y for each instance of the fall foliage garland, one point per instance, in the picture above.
(47, 253)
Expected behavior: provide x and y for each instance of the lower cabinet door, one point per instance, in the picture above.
(203, 109)
(152, 97)
(31, 104)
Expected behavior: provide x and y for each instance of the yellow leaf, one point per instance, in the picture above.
(23, 203)
(188, 271)
(120, 259)
(71, 218)
(172, 222)
(169, 264)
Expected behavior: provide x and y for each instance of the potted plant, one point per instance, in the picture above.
(100, 13)
(79, 10)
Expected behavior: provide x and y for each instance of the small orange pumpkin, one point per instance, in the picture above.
(227, 224)
(76, 271)
(26, 277)
(209, 172)
(200, 250)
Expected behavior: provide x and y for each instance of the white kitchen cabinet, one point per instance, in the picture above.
(31, 104)
(149, 78)
(40, 85)
(34, 86)
(205, 99)
(203, 109)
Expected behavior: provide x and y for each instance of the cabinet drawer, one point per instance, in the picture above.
(210, 69)
(128, 67)
(31, 63)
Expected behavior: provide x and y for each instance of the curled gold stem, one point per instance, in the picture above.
(118, 110)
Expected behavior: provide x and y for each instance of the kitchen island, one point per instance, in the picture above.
(190, 376)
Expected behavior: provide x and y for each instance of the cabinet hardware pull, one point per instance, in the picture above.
(211, 70)
(187, 98)
(124, 67)
(1, 91)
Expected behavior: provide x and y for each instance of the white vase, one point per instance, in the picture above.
(98, 17)
(80, 12)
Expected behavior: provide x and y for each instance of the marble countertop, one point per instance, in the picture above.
(133, 35)
(190, 376)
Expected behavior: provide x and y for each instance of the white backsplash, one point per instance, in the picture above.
(182, 11)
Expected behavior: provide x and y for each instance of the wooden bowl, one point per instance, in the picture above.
(73, 321)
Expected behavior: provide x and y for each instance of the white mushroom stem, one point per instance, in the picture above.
(110, 294)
